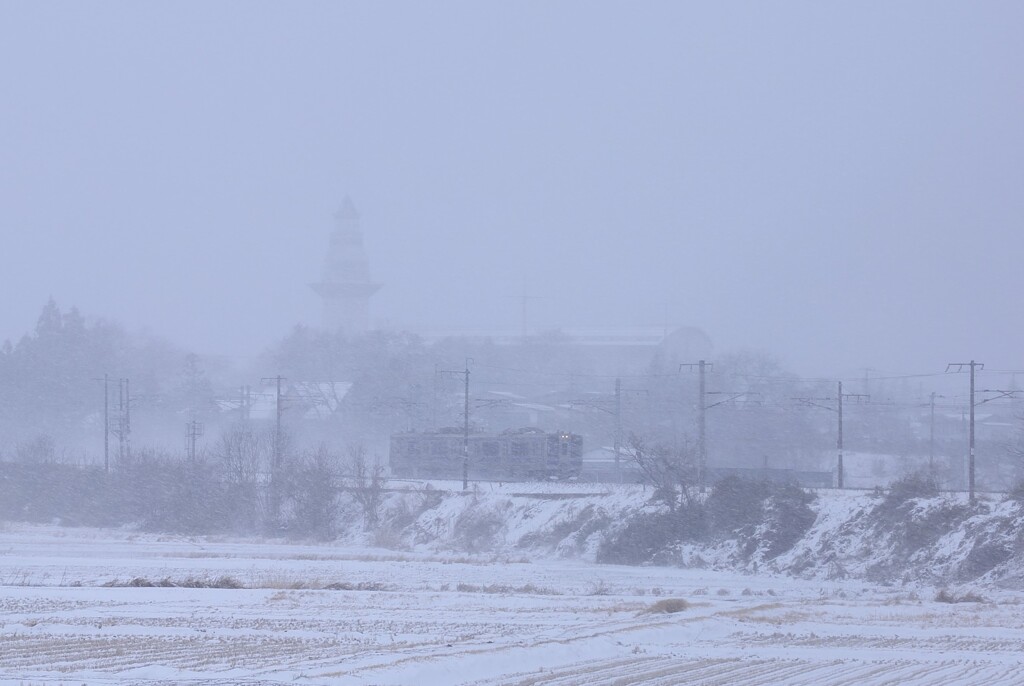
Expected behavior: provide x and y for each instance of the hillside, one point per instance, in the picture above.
(893, 538)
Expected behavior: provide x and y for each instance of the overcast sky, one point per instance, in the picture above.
(840, 185)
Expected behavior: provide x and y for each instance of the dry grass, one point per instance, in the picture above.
(263, 582)
(667, 606)
(528, 589)
(225, 581)
(945, 596)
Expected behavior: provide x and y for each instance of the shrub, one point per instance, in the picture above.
(910, 486)
(788, 516)
(764, 515)
(476, 528)
(983, 558)
(1016, 492)
(310, 488)
(646, 535)
(736, 502)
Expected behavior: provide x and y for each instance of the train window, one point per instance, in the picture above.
(412, 448)
(518, 449)
(490, 449)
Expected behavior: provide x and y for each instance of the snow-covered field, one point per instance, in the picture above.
(334, 615)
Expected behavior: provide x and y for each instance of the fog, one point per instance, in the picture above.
(838, 186)
(369, 342)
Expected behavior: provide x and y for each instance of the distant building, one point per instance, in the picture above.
(626, 350)
(345, 285)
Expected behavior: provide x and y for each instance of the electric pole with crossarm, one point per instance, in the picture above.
(465, 420)
(702, 445)
(975, 367)
(817, 402)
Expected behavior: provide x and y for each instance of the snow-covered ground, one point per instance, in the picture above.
(323, 614)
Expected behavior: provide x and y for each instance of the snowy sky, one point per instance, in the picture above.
(840, 185)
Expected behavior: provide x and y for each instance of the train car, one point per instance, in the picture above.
(513, 455)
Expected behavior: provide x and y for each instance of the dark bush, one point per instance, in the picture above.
(476, 528)
(788, 516)
(158, 494)
(311, 491)
(765, 515)
(983, 558)
(909, 487)
(735, 502)
(1016, 492)
(647, 535)
(905, 525)
(53, 492)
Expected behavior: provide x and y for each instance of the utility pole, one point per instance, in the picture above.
(121, 420)
(931, 434)
(525, 299)
(702, 475)
(465, 433)
(128, 418)
(434, 399)
(840, 473)
(244, 402)
(816, 402)
(106, 421)
(975, 366)
(618, 428)
(1000, 395)
(465, 420)
(277, 419)
(194, 430)
(123, 428)
(839, 440)
(275, 471)
(616, 412)
(702, 446)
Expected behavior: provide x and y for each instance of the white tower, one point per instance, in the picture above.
(345, 286)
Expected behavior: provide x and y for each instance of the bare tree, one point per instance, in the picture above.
(311, 486)
(366, 483)
(244, 456)
(672, 472)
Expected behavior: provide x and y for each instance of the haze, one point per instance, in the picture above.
(839, 186)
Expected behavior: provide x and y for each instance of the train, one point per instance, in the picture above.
(527, 454)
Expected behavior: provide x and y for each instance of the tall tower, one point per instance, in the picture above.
(345, 286)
